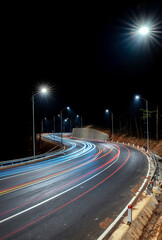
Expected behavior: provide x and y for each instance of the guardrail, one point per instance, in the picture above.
(149, 187)
(154, 176)
(30, 159)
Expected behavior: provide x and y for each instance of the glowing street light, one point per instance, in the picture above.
(144, 30)
(112, 124)
(67, 108)
(42, 91)
(81, 120)
(137, 97)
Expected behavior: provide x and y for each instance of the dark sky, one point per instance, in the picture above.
(84, 51)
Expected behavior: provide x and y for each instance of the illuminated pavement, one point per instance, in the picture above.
(70, 195)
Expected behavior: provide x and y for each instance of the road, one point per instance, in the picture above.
(70, 195)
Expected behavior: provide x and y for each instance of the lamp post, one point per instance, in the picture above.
(112, 123)
(66, 123)
(81, 120)
(42, 91)
(145, 32)
(42, 124)
(67, 108)
(137, 97)
(54, 124)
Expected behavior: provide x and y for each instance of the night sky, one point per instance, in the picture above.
(85, 52)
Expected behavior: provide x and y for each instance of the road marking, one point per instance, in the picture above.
(78, 153)
(117, 219)
(40, 180)
(56, 188)
(67, 203)
(49, 199)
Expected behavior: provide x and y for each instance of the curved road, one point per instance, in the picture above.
(70, 195)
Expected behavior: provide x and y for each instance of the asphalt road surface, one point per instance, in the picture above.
(70, 195)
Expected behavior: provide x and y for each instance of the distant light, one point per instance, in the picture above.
(68, 108)
(144, 30)
(137, 97)
(44, 90)
(107, 110)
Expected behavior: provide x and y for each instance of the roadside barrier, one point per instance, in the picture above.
(31, 158)
(129, 214)
(28, 159)
(138, 214)
(154, 176)
(141, 214)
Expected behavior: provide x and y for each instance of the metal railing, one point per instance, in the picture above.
(32, 158)
(154, 176)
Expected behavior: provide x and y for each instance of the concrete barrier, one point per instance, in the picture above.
(89, 133)
(141, 214)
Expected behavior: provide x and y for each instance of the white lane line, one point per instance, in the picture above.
(49, 199)
(103, 235)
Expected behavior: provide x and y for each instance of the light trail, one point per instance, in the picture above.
(69, 202)
(86, 148)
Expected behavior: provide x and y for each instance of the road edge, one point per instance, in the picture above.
(118, 219)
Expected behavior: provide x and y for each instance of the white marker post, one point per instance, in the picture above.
(151, 186)
(129, 214)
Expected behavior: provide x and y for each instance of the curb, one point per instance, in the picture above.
(141, 214)
(108, 233)
(117, 221)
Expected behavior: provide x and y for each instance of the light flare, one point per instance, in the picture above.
(143, 31)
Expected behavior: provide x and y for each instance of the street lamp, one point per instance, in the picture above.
(43, 91)
(144, 30)
(67, 108)
(137, 97)
(81, 120)
(54, 122)
(66, 120)
(112, 125)
(42, 124)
